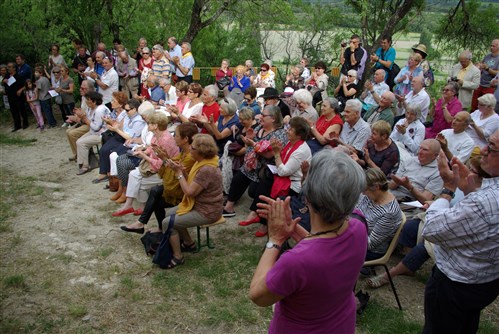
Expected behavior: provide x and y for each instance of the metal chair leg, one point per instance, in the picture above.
(393, 286)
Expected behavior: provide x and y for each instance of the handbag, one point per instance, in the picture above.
(222, 83)
(145, 168)
(164, 252)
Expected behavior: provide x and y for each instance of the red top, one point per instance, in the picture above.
(322, 124)
(220, 74)
(214, 110)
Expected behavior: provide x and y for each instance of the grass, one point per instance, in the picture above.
(15, 281)
(380, 319)
(16, 140)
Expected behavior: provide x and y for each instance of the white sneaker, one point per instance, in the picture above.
(64, 125)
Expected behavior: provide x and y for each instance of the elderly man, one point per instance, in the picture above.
(467, 76)
(372, 91)
(356, 131)
(417, 95)
(382, 112)
(465, 278)
(170, 92)
(418, 178)
(174, 50)
(489, 68)
(455, 142)
(99, 57)
(270, 96)
(184, 64)
(127, 71)
(108, 82)
(75, 132)
(155, 91)
(101, 47)
(161, 66)
(385, 56)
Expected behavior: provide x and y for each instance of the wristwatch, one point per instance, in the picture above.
(271, 245)
(180, 177)
(448, 192)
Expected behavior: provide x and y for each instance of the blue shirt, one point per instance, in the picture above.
(157, 93)
(245, 83)
(389, 55)
(254, 106)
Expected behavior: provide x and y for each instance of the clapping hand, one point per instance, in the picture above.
(401, 128)
(280, 222)
(442, 140)
(276, 146)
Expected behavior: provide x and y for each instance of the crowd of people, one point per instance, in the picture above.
(327, 172)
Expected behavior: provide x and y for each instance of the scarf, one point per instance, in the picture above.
(188, 202)
(187, 55)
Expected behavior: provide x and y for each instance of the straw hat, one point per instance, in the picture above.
(421, 48)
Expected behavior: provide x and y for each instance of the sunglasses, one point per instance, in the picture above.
(263, 70)
(350, 76)
(127, 110)
(55, 72)
(145, 53)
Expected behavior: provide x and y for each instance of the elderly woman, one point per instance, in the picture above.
(138, 182)
(484, 121)
(444, 110)
(404, 78)
(161, 66)
(94, 119)
(265, 78)
(224, 128)
(237, 148)
(328, 125)
(295, 79)
(258, 155)
(131, 128)
(381, 152)
(311, 285)
(348, 88)
(305, 109)
(55, 59)
(224, 70)
(409, 131)
(382, 213)
(169, 193)
(144, 67)
(203, 200)
(193, 107)
(318, 82)
(238, 84)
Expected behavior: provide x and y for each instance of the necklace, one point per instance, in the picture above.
(334, 230)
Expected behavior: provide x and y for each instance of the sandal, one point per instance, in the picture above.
(363, 298)
(377, 281)
(175, 262)
(82, 171)
(188, 248)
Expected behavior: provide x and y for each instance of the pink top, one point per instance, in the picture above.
(181, 104)
(439, 123)
(316, 279)
(220, 74)
(167, 143)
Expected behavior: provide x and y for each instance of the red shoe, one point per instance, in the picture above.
(120, 213)
(260, 234)
(138, 212)
(249, 222)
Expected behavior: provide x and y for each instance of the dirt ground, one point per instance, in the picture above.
(70, 226)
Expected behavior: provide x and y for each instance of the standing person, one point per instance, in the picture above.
(66, 90)
(306, 71)
(310, 284)
(161, 65)
(184, 64)
(350, 57)
(174, 50)
(407, 74)
(489, 68)
(108, 82)
(384, 57)
(34, 103)
(80, 63)
(3, 74)
(23, 70)
(127, 71)
(467, 76)
(140, 48)
(15, 94)
(144, 68)
(465, 278)
(425, 65)
(43, 87)
(55, 59)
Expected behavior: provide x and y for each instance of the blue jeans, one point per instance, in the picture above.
(66, 110)
(47, 110)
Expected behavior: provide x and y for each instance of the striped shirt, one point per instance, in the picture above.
(466, 236)
(382, 222)
(161, 68)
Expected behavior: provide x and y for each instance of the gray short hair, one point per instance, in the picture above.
(90, 86)
(101, 54)
(488, 99)
(250, 62)
(246, 113)
(353, 73)
(187, 45)
(212, 91)
(334, 103)
(165, 81)
(415, 109)
(146, 49)
(275, 112)
(229, 105)
(354, 104)
(300, 68)
(303, 95)
(333, 185)
(159, 48)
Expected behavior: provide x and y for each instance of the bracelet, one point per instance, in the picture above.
(180, 177)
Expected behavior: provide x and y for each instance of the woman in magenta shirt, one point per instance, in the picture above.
(444, 110)
(312, 284)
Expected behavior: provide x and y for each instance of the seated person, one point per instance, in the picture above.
(484, 121)
(194, 105)
(211, 108)
(155, 91)
(444, 110)
(250, 100)
(347, 88)
(384, 111)
(271, 98)
(317, 83)
(382, 213)
(328, 125)
(203, 199)
(409, 130)
(455, 141)
(355, 131)
(419, 179)
(305, 109)
(170, 92)
(170, 193)
(264, 79)
(373, 90)
(295, 79)
(381, 152)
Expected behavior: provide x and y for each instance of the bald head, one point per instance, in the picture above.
(417, 84)
(428, 151)
(461, 121)
(433, 145)
(379, 75)
(465, 58)
(387, 99)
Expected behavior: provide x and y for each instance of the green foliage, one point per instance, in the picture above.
(469, 26)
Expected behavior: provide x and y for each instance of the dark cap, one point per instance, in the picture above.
(269, 93)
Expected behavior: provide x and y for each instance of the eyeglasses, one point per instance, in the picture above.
(193, 148)
(446, 90)
(318, 68)
(266, 115)
(349, 75)
(145, 53)
(127, 110)
(490, 149)
(55, 72)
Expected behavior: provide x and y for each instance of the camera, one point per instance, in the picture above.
(343, 44)
(453, 79)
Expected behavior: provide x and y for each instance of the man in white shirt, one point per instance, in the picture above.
(417, 95)
(467, 76)
(174, 51)
(108, 82)
(456, 142)
(373, 91)
(355, 131)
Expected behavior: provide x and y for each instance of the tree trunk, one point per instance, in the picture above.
(197, 24)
